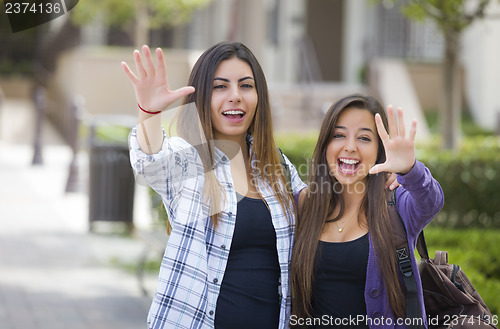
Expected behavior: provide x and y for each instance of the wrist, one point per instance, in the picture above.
(410, 171)
(404, 172)
(148, 112)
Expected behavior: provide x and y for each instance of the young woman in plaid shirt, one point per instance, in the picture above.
(232, 215)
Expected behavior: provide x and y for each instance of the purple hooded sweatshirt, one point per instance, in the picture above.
(418, 200)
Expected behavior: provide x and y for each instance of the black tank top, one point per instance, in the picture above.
(249, 296)
(339, 281)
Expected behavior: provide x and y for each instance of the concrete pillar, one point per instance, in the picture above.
(353, 52)
(253, 25)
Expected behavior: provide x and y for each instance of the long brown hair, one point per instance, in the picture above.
(317, 206)
(264, 150)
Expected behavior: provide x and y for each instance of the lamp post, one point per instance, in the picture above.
(73, 183)
(39, 99)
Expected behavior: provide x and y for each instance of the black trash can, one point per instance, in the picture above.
(111, 180)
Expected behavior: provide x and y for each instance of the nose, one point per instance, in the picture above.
(350, 145)
(235, 96)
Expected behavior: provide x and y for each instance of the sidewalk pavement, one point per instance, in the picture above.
(53, 272)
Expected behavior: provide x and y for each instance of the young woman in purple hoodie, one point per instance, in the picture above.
(344, 269)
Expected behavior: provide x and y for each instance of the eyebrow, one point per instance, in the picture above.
(363, 129)
(239, 80)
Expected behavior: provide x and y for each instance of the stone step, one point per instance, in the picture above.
(302, 107)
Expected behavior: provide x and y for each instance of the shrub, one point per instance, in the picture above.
(477, 252)
(470, 178)
(298, 149)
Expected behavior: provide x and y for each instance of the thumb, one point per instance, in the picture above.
(184, 91)
(377, 169)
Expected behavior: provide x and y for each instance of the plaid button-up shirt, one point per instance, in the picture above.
(196, 254)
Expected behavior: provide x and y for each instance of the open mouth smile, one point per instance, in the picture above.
(348, 166)
(234, 116)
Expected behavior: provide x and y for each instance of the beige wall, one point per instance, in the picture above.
(16, 87)
(428, 81)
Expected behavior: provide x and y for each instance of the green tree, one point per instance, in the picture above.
(137, 16)
(452, 17)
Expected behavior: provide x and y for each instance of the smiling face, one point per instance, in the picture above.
(234, 100)
(353, 148)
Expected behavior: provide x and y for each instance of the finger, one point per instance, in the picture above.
(393, 129)
(390, 179)
(160, 63)
(150, 66)
(401, 123)
(129, 73)
(184, 91)
(390, 186)
(395, 183)
(377, 169)
(413, 130)
(384, 136)
(138, 64)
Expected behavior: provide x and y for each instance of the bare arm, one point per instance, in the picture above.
(153, 94)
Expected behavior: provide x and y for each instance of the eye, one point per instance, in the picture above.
(246, 85)
(219, 86)
(365, 139)
(338, 135)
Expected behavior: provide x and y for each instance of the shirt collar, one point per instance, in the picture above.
(221, 158)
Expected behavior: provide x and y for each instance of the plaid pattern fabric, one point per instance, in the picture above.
(196, 254)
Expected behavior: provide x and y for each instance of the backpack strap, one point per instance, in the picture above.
(404, 261)
(422, 247)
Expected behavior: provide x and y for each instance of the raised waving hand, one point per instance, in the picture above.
(399, 149)
(151, 84)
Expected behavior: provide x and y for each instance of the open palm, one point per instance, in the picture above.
(399, 149)
(151, 85)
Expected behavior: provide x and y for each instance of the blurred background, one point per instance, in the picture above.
(80, 241)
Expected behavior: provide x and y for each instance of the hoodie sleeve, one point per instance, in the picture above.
(419, 199)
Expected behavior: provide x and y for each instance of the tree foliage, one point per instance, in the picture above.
(453, 15)
(137, 16)
(124, 12)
